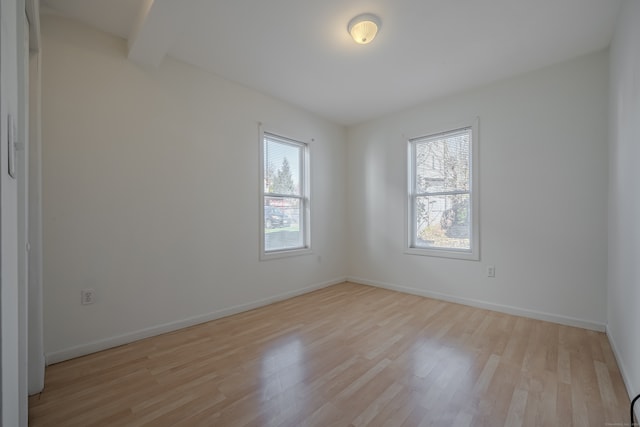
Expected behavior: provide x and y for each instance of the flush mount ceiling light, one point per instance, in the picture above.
(363, 28)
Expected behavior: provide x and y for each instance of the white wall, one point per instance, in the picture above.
(543, 196)
(35, 309)
(623, 314)
(150, 194)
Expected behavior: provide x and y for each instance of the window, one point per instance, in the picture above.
(443, 208)
(284, 203)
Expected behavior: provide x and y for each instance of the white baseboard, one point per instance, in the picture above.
(516, 311)
(623, 370)
(103, 344)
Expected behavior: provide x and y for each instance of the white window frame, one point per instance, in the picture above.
(410, 232)
(304, 197)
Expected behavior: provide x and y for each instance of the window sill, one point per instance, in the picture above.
(265, 256)
(444, 253)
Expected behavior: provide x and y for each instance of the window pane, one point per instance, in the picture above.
(443, 222)
(282, 224)
(282, 169)
(442, 162)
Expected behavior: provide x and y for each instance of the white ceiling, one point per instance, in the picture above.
(300, 51)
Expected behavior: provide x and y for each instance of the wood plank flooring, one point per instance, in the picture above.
(347, 355)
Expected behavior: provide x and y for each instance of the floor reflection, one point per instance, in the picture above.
(282, 367)
(443, 365)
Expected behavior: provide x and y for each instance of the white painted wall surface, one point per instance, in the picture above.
(543, 196)
(150, 194)
(35, 309)
(623, 315)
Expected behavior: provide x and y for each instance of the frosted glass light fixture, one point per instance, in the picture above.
(363, 28)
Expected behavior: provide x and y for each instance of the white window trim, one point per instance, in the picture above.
(305, 200)
(474, 253)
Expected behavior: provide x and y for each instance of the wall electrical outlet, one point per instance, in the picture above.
(491, 271)
(88, 296)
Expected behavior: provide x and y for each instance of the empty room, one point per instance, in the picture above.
(332, 213)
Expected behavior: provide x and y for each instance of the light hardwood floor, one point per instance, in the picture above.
(347, 355)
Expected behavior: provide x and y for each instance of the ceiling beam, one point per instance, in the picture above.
(157, 26)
